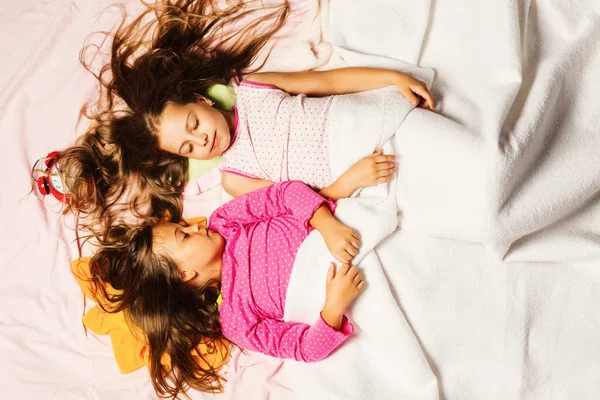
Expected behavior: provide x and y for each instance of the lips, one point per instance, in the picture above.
(215, 141)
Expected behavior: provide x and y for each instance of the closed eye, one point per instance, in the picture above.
(186, 148)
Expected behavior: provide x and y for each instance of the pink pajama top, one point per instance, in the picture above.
(263, 231)
(279, 137)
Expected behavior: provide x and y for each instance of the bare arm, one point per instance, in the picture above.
(237, 185)
(337, 190)
(346, 80)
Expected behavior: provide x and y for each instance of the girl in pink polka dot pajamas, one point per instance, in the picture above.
(248, 250)
(278, 129)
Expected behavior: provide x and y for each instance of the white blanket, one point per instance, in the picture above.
(383, 360)
(440, 159)
(511, 159)
(383, 345)
(496, 265)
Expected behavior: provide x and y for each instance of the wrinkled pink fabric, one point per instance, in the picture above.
(263, 231)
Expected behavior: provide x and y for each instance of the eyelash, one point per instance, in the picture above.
(191, 148)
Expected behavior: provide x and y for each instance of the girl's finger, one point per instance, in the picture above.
(331, 272)
(356, 243)
(410, 96)
(376, 153)
(384, 172)
(352, 250)
(424, 93)
(344, 269)
(384, 158)
(348, 257)
(339, 256)
(361, 286)
(352, 272)
(358, 278)
(386, 166)
(344, 257)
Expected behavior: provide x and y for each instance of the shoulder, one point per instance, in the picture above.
(252, 95)
(258, 80)
(257, 85)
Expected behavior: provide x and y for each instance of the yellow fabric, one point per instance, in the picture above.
(128, 342)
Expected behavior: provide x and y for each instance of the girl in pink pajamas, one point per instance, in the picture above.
(248, 251)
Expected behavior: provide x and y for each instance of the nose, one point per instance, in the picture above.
(194, 228)
(202, 139)
(201, 229)
(197, 227)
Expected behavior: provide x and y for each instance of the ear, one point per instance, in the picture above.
(188, 275)
(204, 100)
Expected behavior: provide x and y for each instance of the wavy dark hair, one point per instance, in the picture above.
(171, 51)
(116, 170)
(179, 48)
(174, 316)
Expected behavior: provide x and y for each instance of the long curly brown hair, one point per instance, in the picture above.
(116, 171)
(174, 316)
(173, 50)
(170, 52)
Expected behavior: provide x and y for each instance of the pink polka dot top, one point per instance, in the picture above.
(279, 137)
(263, 230)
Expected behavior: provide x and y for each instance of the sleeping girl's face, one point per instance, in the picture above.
(195, 130)
(197, 251)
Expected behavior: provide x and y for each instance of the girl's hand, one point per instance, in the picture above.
(342, 241)
(415, 91)
(370, 171)
(342, 288)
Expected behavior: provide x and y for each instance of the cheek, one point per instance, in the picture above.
(201, 154)
(211, 251)
(167, 143)
(199, 252)
(217, 118)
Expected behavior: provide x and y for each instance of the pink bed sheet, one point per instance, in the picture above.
(46, 353)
